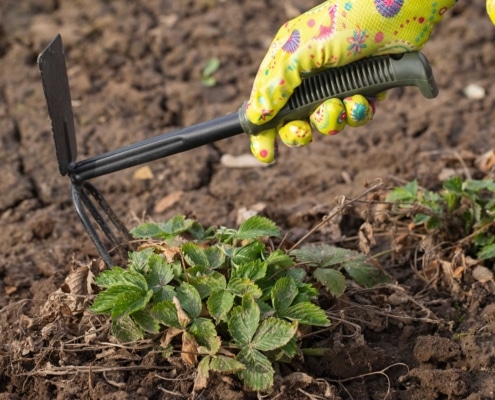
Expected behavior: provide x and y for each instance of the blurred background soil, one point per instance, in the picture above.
(135, 71)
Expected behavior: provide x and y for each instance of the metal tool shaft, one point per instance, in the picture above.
(158, 147)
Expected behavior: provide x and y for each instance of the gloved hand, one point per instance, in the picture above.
(335, 33)
(490, 9)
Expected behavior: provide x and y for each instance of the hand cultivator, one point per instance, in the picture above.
(367, 77)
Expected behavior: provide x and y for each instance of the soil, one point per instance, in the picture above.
(135, 71)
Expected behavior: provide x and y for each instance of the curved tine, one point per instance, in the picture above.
(93, 235)
(108, 210)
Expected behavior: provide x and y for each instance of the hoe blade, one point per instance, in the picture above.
(51, 63)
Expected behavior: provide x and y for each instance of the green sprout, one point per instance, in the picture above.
(212, 66)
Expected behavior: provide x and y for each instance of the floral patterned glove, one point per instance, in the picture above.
(490, 9)
(335, 33)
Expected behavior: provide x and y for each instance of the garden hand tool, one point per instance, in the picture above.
(366, 77)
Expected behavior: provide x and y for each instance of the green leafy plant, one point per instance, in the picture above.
(223, 296)
(462, 210)
(229, 303)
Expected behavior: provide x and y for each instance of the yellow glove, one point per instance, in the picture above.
(333, 34)
(490, 9)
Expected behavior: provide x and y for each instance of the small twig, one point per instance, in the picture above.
(170, 392)
(345, 203)
(311, 396)
(380, 372)
(401, 317)
(72, 369)
(19, 303)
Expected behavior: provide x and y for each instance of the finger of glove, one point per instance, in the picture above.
(490, 9)
(330, 117)
(359, 111)
(296, 133)
(377, 98)
(264, 145)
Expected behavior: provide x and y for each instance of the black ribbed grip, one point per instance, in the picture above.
(367, 77)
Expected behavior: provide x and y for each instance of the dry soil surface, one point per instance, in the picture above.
(135, 71)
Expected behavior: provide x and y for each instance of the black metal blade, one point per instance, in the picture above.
(51, 63)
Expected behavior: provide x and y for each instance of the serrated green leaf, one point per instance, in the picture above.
(205, 333)
(365, 274)
(165, 293)
(473, 185)
(110, 277)
(487, 252)
(241, 286)
(121, 300)
(147, 230)
(135, 278)
(146, 321)
(453, 184)
(166, 314)
(285, 353)
(324, 255)
(412, 187)
(273, 333)
(130, 301)
(120, 276)
(258, 373)
(198, 232)
(105, 300)
(139, 260)
(194, 255)
(400, 195)
(207, 284)
(297, 274)
(160, 273)
(279, 259)
(244, 320)
(433, 223)
(225, 364)
(265, 310)
(306, 313)
(257, 226)
(406, 193)
(125, 330)
(216, 257)
(219, 304)
(332, 279)
(254, 270)
(211, 257)
(189, 299)
(177, 225)
(246, 254)
(307, 290)
(420, 219)
(283, 294)
(164, 230)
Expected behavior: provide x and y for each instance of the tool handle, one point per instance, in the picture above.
(367, 77)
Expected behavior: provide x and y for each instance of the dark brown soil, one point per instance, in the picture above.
(135, 72)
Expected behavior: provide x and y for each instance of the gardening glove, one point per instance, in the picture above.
(335, 33)
(490, 9)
